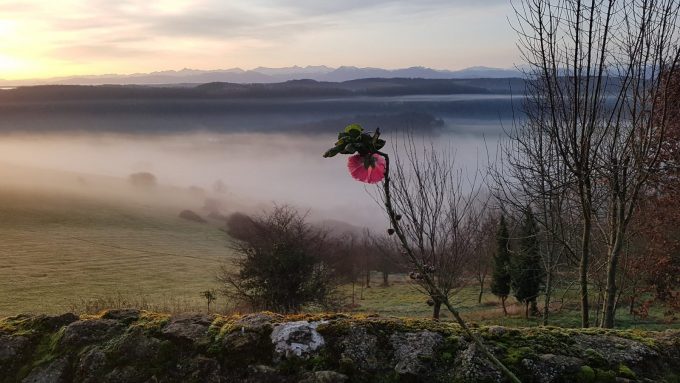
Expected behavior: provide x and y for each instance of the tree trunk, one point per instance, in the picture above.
(599, 306)
(505, 310)
(609, 311)
(534, 308)
(353, 294)
(368, 279)
(548, 293)
(481, 292)
(436, 308)
(386, 277)
(526, 310)
(583, 271)
(631, 307)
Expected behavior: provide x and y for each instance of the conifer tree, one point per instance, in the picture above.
(500, 282)
(526, 271)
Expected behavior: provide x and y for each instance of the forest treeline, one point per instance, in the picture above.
(293, 88)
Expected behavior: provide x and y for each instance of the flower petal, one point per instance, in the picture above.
(371, 174)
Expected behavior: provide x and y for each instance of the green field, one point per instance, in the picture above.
(61, 249)
(83, 249)
(401, 298)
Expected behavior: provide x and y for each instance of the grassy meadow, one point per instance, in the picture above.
(401, 298)
(77, 247)
(63, 249)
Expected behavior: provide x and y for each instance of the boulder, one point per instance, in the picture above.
(360, 348)
(472, 366)
(14, 350)
(85, 332)
(123, 315)
(192, 328)
(614, 350)
(53, 372)
(412, 351)
(296, 339)
(90, 366)
(549, 368)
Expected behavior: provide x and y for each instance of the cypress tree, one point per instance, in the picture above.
(500, 278)
(527, 271)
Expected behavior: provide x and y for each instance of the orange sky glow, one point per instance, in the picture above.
(40, 39)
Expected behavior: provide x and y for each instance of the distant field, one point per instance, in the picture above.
(402, 299)
(84, 248)
(58, 249)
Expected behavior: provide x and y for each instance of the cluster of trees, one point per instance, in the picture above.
(520, 271)
(589, 153)
(285, 263)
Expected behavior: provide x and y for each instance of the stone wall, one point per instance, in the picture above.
(134, 346)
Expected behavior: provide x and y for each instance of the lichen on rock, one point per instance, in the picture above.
(141, 346)
(414, 351)
(296, 339)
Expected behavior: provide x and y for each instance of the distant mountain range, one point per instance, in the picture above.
(267, 75)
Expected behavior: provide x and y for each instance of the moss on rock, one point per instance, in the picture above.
(131, 345)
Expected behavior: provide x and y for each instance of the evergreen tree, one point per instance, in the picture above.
(527, 272)
(500, 282)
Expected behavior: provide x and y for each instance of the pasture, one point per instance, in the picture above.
(69, 248)
(60, 249)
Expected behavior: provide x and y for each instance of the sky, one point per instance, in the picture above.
(40, 39)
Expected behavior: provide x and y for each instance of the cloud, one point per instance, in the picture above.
(149, 35)
(327, 7)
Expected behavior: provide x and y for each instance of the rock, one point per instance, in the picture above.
(264, 348)
(191, 216)
(205, 370)
(258, 322)
(85, 332)
(250, 340)
(53, 323)
(615, 350)
(126, 316)
(189, 328)
(324, 377)
(14, 350)
(260, 373)
(90, 366)
(472, 366)
(497, 330)
(53, 372)
(413, 350)
(128, 374)
(12, 347)
(296, 339)
(550, 368)
(134, 347)
(246, 347)
(49, 323)
(361, 348)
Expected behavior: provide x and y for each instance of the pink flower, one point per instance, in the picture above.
(367, 169)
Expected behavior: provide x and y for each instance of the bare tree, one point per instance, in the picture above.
(593, 80)
(440, 211)
(412, 256)
(352, 140)
(484, 250)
